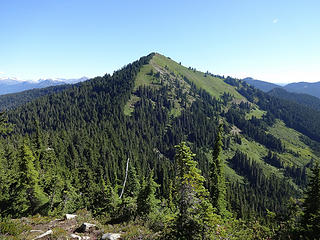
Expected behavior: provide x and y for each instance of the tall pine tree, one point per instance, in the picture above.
(311, 206)
(147, 201)
(27, 196)
(217, 183)
(194, 219)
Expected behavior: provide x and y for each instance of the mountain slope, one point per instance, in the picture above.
(304, 87)
(312, 89)
(262, 85)
(143, 110)
(300, 98)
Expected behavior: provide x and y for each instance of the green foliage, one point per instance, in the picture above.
(137, 231)
(147, 201)
(215, 86)
(5, 180)
(126, 210)
(28, 197)
(11, 227)
(108, 204)
(5, 127)
(194, 219)
(13, 100)
(71, 200)
(133, 184)
(300, 98)
(59, 233)
(84, 133)
(311, 206)
(217, 177)
(287, 226)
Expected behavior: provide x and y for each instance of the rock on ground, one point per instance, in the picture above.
(86, 227)
(111, 236)
(44, 234)
(70, 216)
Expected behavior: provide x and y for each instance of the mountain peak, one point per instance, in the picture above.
(262, 85)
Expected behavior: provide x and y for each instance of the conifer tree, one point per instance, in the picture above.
(217, 183)
(5, 127)
(4, 185)
(4, 171)
(147, 201)
(37, 146)
(51, 180)
(194, 219)
(171, 197)
(133, 185)
(71, 200)
(27, 196)
(107, 200)
(311, 206)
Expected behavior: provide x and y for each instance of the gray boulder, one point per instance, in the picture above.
(86, 227)
(111, 236)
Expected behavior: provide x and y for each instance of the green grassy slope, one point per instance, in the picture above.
(297, 152)
(159, 63)
(172, 73)
(215, 86)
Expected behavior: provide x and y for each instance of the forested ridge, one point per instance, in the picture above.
(300, 98)
(13, 100)
(188, 139)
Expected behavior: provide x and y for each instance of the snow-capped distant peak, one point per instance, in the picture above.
(65, 80)
(9, 78)
(12, 85)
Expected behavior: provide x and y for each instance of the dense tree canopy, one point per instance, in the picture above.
(68, 151)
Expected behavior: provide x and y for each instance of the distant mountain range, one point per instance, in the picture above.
(300, 87)
(304, 87)
(262, 85)
(12, 85)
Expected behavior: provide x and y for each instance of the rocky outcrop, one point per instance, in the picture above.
(86, 227)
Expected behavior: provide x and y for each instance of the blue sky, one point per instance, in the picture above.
(276, 41)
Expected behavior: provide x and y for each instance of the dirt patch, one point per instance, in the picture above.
(235, 130)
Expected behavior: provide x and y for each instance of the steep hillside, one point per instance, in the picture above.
(88, 131)
(162, 71)
(300, 98)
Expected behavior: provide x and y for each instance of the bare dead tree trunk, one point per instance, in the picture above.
(125, 179)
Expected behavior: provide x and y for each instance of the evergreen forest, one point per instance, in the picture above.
(162, 151)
